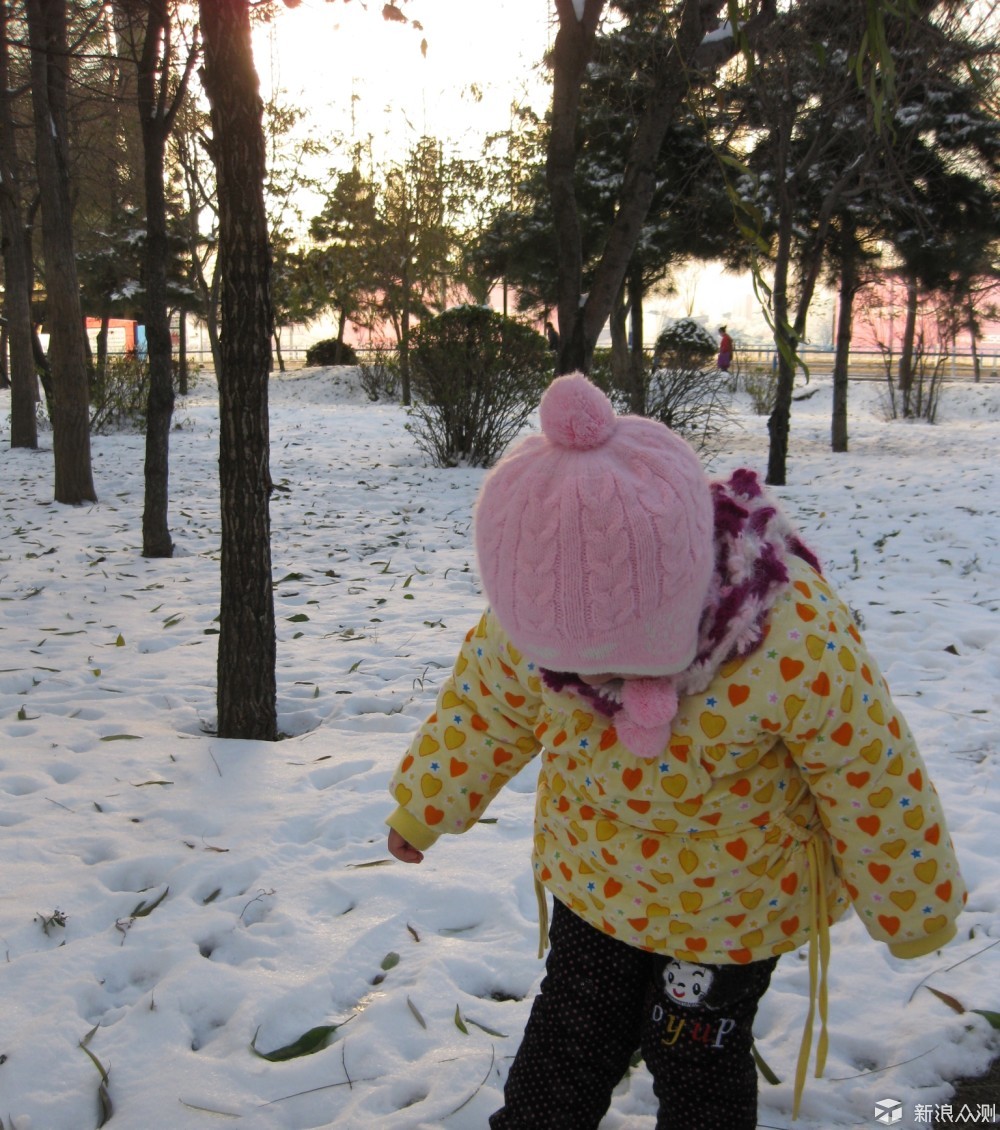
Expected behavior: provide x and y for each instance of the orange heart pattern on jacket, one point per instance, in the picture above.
(702, 852)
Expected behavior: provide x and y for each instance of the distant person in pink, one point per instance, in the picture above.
(725, 350)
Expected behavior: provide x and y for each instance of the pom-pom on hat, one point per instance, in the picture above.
(595, 539)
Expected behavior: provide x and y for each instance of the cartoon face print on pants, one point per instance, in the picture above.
(686, 984)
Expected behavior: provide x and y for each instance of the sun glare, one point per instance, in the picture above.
(454, 76)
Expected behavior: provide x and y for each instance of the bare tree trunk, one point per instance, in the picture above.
(102, 344)
(341, 329)
(572, 51)
(845, 321)
(779, 422)
(42, 368)
(905, 380)
(67, 354)
(212, 321)
(182, 357)
(404, 335)
(155, 117)
(973, 327)
(618, 326)
(158, 101)
(637, 359)
(17, 268)
(206, 289)
(247, 698)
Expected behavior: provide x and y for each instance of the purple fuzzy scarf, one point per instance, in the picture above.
(753, 541)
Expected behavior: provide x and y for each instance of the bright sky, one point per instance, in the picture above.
(330, 51)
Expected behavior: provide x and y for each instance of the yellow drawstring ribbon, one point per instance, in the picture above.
(819, 961)
(543, 919)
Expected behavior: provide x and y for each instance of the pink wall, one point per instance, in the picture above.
(880, 312)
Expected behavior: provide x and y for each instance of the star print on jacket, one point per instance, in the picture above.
(789, 789)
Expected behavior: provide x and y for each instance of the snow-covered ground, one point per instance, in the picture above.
(172, 904)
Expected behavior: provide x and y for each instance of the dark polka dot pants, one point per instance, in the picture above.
(600, 1001)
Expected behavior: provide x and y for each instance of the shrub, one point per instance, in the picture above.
(686, 391)
(330, 352)
(685, 344)
(692, 402)
(476, 377)
(761, 385)
(380, 377)
(602, 374)
(118, 394)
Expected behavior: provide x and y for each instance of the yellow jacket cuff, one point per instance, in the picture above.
(415, 833)
(920, 947)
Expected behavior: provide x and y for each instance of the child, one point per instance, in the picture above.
(723, 770)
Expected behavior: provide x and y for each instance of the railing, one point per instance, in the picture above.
(872, 364)
(864, 364)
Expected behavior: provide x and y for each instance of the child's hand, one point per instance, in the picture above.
(403, 851)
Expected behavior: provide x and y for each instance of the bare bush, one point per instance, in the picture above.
(695, 403)
(119, 391)
(379, 378)
(686, 390)
(760, 383)
(476, 377)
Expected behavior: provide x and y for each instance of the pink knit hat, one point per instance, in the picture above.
(595, 539)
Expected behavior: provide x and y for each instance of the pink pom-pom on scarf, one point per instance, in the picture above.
(648, 709)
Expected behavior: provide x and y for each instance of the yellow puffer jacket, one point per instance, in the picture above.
(791, 786)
